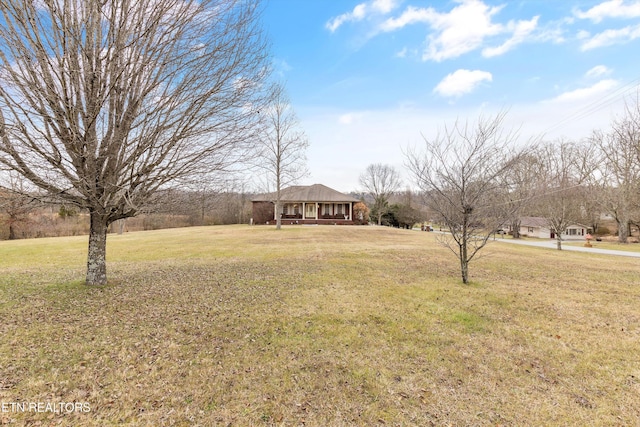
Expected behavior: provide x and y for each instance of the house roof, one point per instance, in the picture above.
(307, 193)
(533, 221)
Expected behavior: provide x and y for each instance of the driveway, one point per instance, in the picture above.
(551, 244)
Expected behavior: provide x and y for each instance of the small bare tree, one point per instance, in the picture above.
(381, 181)
(103, 103)
(462, 174)
(282, 148)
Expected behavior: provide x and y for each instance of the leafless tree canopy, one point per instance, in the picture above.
(463, 176)
(381, 181)
(564, 170)
(521, 184)
(104, 102)
(281, 154)
(15, 204)
(620, 169)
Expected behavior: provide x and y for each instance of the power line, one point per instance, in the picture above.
(589, 109)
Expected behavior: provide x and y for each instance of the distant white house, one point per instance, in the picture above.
(534, 226)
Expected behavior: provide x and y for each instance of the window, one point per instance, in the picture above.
(530, 230)
(339, 207)
(327, 209)
(573, 232)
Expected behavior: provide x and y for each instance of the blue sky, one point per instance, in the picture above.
(367, 78)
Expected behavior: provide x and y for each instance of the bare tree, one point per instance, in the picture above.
(462, 173)
(16, 203)
(283, 145)
(620, 174)
(381, 181)
(564, 170)
(521, 184)
(103, 103)
(209, 198)
(593, 193)
(231, 203)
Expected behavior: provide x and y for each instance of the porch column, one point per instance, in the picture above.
(275, 212)
(317, 209)
(304, 211)
(350, 211)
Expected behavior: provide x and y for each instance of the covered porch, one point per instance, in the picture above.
(303, 212)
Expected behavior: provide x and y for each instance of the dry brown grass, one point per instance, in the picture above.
(321, 326)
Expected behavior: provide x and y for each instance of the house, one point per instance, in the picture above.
(305, 204)
(534, 226)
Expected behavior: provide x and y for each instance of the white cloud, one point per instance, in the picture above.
(600, 88)
(411, 15)
(553, 33)
(383, 6)
(402, 53)
(356, 14)
(598, 71)
(461, 82)
(360, 12)
(281, 67)
(583, 35)
(611, 37)
(521, 30)
(457, 32)
(610, 9)
(461, 30)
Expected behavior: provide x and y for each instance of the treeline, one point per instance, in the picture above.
(24, 217)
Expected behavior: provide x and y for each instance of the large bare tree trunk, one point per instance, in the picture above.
(12, 231)
(278, 214)
(121, 224)
(97, 258)
(515, 227)
(623, 230)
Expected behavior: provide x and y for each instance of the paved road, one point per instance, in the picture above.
(551, 244)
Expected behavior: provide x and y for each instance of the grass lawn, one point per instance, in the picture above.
(630, 247)
(316, 326)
